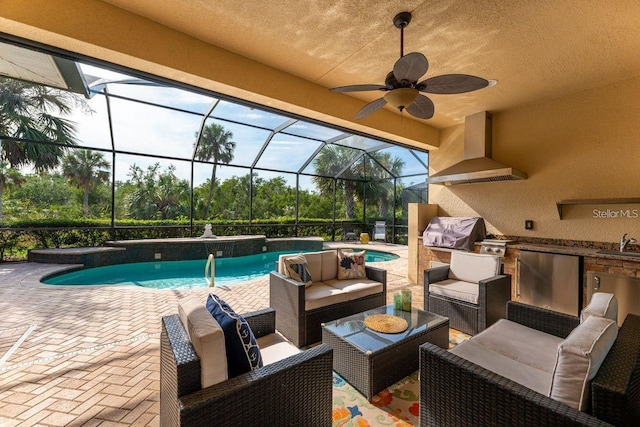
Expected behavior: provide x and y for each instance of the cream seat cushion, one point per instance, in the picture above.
(207, 339)
(322, 295)
(356, 288)
(524, 355)
(528, 376)
(579, 358)
(456, 289)
(525, 345)
(274, 347)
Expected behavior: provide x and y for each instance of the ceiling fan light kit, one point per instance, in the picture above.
(402, 83)
(401, 98)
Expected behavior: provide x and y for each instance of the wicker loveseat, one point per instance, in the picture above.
(456, 391)
(301, 310)
(295, 391)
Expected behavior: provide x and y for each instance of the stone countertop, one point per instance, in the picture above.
(571, 250)
(558, 249)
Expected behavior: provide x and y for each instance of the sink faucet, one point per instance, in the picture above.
(624, 242)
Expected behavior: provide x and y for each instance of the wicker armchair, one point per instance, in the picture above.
(493, 294)
(455, 391)
(295, 391)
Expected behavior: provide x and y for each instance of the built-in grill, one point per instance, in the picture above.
(454, 232)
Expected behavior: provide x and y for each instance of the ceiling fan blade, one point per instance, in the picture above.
(421, 108)
(410, 67)
(358, 88)
(452, 83)
(371, 107)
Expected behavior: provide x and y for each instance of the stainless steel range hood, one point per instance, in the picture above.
(477, 166)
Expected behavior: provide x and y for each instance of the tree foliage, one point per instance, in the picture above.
(32, 112)
(337, 162)
(156, 194)
(214, 144)
(368, 177)
(86, 169)
(381, 167)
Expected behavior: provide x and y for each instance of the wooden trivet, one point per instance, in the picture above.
(386, 323)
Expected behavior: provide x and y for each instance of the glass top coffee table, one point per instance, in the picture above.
(371, 361)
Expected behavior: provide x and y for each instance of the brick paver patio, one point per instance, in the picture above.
(89, 355)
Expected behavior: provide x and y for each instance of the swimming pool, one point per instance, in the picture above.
(183, 274)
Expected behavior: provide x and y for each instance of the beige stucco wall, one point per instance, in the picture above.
(583, 146)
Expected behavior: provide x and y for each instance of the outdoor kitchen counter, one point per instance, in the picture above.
(572, 250)
(555, 249)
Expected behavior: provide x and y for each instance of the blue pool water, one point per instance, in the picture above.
(183, 274)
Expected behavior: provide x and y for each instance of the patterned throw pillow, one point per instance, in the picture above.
(351, 265)
(296, 267)
(243, 353)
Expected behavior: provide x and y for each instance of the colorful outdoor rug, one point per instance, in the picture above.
(395, 406)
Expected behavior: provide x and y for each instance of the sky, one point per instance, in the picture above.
(149, 129)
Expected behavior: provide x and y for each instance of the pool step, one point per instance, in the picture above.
(89, 257)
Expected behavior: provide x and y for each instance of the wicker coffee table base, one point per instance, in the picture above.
(372, 372)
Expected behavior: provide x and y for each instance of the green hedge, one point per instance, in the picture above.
(17, 237)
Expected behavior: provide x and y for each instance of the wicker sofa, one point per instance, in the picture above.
(299, 314)
(293, 391)
(456, 391)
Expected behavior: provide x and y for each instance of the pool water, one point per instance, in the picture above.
(183, 274)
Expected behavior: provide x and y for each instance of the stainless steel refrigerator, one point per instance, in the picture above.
(550, 281)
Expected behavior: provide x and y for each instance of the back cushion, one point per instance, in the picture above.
(329, 265)
(314, 261)
(243, 354)
(207, 339)
(602, 304)
(579, 358)
(314, 264)
(471, 267)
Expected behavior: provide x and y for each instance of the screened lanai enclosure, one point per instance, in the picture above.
(118, 154)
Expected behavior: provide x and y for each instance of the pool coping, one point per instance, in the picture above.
(173, 249)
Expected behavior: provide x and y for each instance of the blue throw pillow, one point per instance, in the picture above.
(243, 354)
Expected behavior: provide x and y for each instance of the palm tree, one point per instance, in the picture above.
(30, 112)
(330, 161)
(379, 188)
(156, 194)
(86, 169)
(215, 145)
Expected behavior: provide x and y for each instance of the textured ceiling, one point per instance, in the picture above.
(537, 50)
